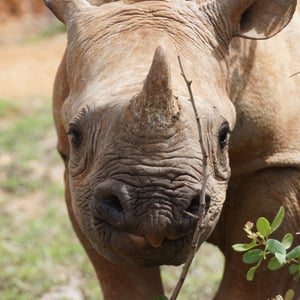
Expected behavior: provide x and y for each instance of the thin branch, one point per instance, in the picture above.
(297, 73)
(200, 228)
(201, 138)
(190, 215)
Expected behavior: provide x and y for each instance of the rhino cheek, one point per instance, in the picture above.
(80, 200)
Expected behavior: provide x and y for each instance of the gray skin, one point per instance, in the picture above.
(128, 135)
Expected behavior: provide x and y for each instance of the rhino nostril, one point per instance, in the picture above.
(207, 203)
(110, 209)
(113, 203)
(194, 207)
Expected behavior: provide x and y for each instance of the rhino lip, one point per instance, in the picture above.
(130, 245)
(130, 240)
(132, 248)
(125, 241)
(136, 241)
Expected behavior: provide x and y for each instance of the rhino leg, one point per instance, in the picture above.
(258, 195)
(131, 282)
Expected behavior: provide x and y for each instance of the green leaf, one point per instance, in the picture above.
(275, 246)
(287, 240)
(263, 226)
(281, 258)
(161, 297)
(293, 269)
(289, 295)
(278, 219)
(243, 247)
(295, 253)
(250, 273)
(274, 264)
(253, 256)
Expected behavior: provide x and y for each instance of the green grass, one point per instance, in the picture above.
(21, 141)
(37, 252)
(52, 30)
(203, 278)
(7, 107)
(38, 248)
(45, 33)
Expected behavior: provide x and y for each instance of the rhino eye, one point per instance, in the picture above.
(224, 135)
(76, 136)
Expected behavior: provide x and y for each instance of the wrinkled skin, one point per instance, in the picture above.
(128, 135)
(264, 155)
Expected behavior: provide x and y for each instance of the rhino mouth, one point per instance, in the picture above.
(127, 247)
(147, 229)
(126, 244)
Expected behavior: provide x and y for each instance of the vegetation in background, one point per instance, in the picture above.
(38, 249)
(262, 247)
(46, 32)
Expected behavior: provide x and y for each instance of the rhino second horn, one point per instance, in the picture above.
(156, 106)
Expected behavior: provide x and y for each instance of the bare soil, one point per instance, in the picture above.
(27, 68)
(27, 71)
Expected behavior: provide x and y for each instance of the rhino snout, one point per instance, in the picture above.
(162, 219)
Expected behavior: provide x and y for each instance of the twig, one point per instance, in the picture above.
(190, 215)
(297, 73)
(200, 224)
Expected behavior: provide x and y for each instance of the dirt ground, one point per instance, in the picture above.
(27, 67)
(28, 63)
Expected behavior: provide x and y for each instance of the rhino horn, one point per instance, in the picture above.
(156, 106)
(65, 9)
(157, 90)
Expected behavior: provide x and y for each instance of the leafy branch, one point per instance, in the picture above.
(262, 247)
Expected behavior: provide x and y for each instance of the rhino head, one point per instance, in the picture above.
(126, 127)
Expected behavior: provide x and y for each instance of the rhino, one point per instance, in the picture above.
(129, 137)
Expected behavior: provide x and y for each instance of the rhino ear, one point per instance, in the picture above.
(63, 9)
(259, 19)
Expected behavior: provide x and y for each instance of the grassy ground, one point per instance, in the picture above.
(38, 248)
(40, 257)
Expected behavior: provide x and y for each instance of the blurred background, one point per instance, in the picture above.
(40, 257)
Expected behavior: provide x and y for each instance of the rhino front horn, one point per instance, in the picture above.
(157, 90)
(155, 106)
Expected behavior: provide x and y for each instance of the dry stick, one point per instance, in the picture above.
(294, 74)
(200, 224)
